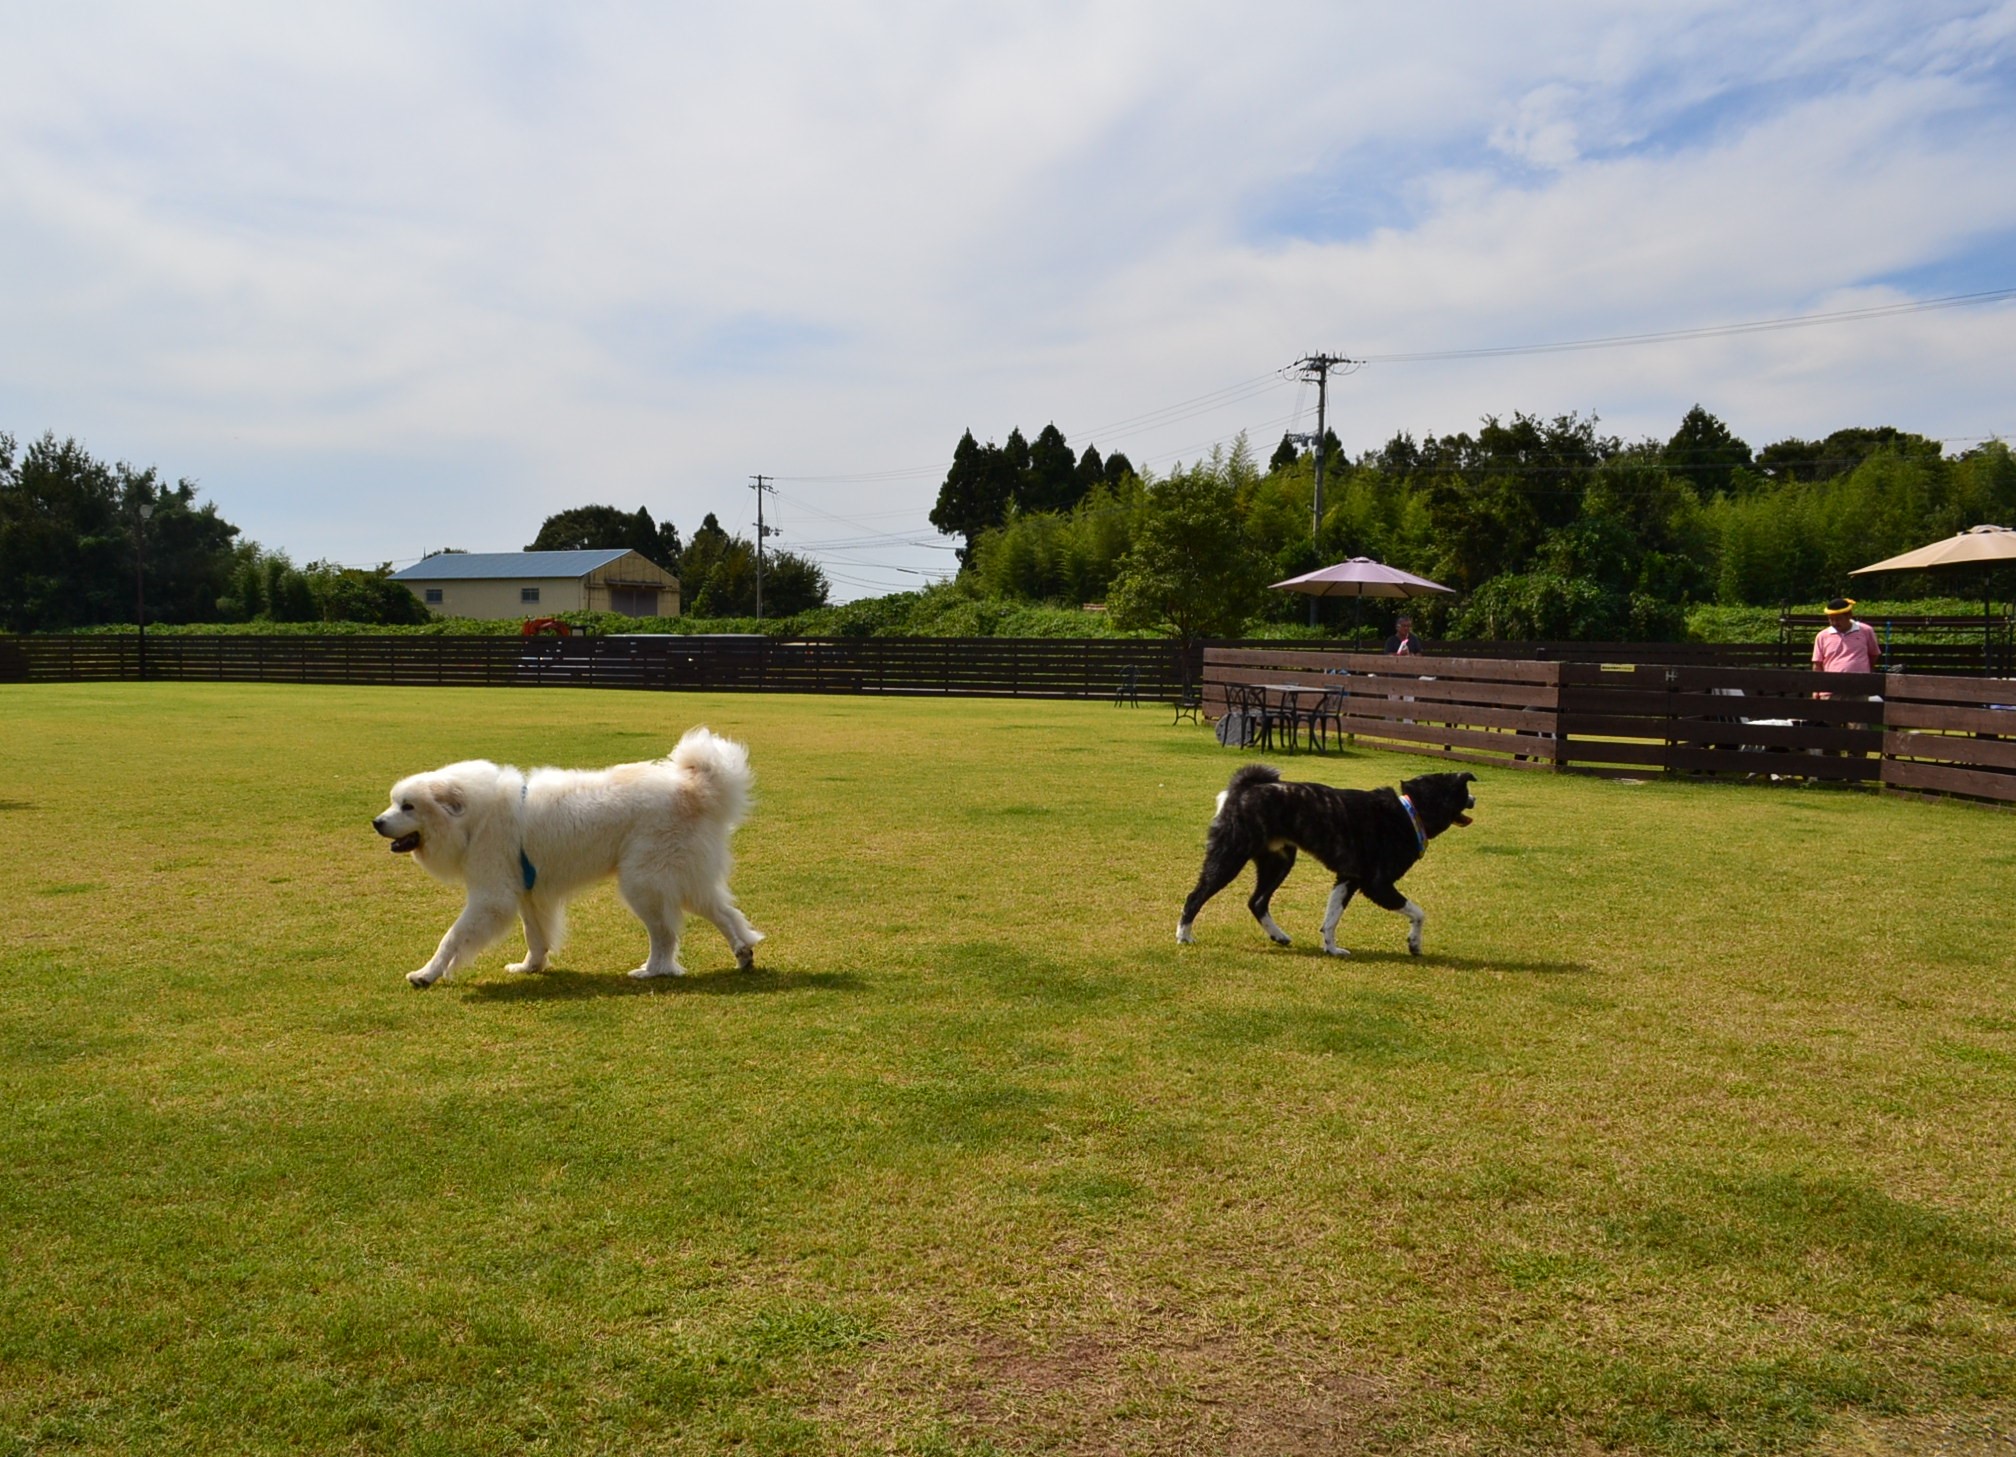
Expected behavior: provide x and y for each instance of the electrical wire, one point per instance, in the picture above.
(1257, 386)
(1712, 331)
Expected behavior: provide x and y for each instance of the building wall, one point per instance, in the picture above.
(632, 572)
(495, 599)
(502, 598)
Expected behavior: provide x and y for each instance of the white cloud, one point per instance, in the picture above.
(1541, 132)
(390, 278)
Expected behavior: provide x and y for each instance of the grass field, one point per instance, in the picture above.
(1691, 1132)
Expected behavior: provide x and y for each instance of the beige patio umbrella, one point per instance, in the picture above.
(1972, 547)
(1985, 547)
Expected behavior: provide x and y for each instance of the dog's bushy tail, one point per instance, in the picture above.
(1246, 777)
(720, 772)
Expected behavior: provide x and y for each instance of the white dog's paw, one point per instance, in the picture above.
(1184, 936)
(648, 971)
(420, 980)
(1336, 951)
(528, 964)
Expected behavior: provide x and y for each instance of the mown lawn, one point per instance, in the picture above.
(1691, 1131)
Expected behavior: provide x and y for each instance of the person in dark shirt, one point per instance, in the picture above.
(1402, 640)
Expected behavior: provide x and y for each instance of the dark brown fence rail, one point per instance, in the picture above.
(1030, 667)
(1474, 709)
(1904, 731)
(1592, 712)
(1631, 720)
(1950, 735)
(986, 667)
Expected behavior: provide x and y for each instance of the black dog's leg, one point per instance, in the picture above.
(1390, 898)
(1221, 867)
(1340, 897)
(1271, 867)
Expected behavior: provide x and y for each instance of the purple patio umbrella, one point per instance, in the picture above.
(1361, 577)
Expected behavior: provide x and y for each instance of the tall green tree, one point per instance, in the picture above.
(975, 495)
(1704, 453)
(72, 535)
(357, 594)
(697, 560)
(1091, 470)
(1051, 481)
(1191, 572)
(717, 577)
(606, 528)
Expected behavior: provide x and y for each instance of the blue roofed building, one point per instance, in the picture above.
(513, 584)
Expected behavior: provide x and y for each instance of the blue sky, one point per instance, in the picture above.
(383, 279)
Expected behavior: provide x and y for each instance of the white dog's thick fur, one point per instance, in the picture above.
(524, 844)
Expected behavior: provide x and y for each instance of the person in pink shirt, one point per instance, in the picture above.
(1845, 645)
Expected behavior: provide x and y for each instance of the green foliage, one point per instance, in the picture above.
(265, 588)
(717, 577)
(1548, 606)
(1547, 527)
(1820, 460)
(1781, 544)
(1066, 558)
(1704, 453)
(589, 528)
(1051, 482)
(72, 536)
(1551, 528)
(1191, 571)
(990, 486)
(353, 594)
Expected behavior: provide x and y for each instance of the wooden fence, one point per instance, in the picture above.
(1477, 709)
(1910, 732)
(1147, 669)
(992, 667)
(1903, 731)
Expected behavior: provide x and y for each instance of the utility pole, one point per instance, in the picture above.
(1318, 367)
(762, 487)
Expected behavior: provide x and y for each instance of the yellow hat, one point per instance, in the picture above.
(1847, 606)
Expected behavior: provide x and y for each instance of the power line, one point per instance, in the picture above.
(1259, 385)
(1712, 331)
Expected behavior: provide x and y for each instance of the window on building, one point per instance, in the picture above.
(528, 594)
(433, 596)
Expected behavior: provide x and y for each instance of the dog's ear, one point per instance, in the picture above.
(448, 794)
(1466, 777)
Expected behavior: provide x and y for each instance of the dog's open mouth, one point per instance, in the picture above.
(1461, 819)
(406, 844)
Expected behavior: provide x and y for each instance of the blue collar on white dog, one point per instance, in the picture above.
(1420, 835)
(524, 861)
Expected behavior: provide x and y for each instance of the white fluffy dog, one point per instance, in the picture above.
(524, 844)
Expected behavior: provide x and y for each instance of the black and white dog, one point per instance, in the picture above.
(1367, 838)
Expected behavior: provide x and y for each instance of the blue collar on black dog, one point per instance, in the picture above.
(1420, 835)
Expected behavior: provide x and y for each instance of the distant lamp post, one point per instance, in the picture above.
(140, 582)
